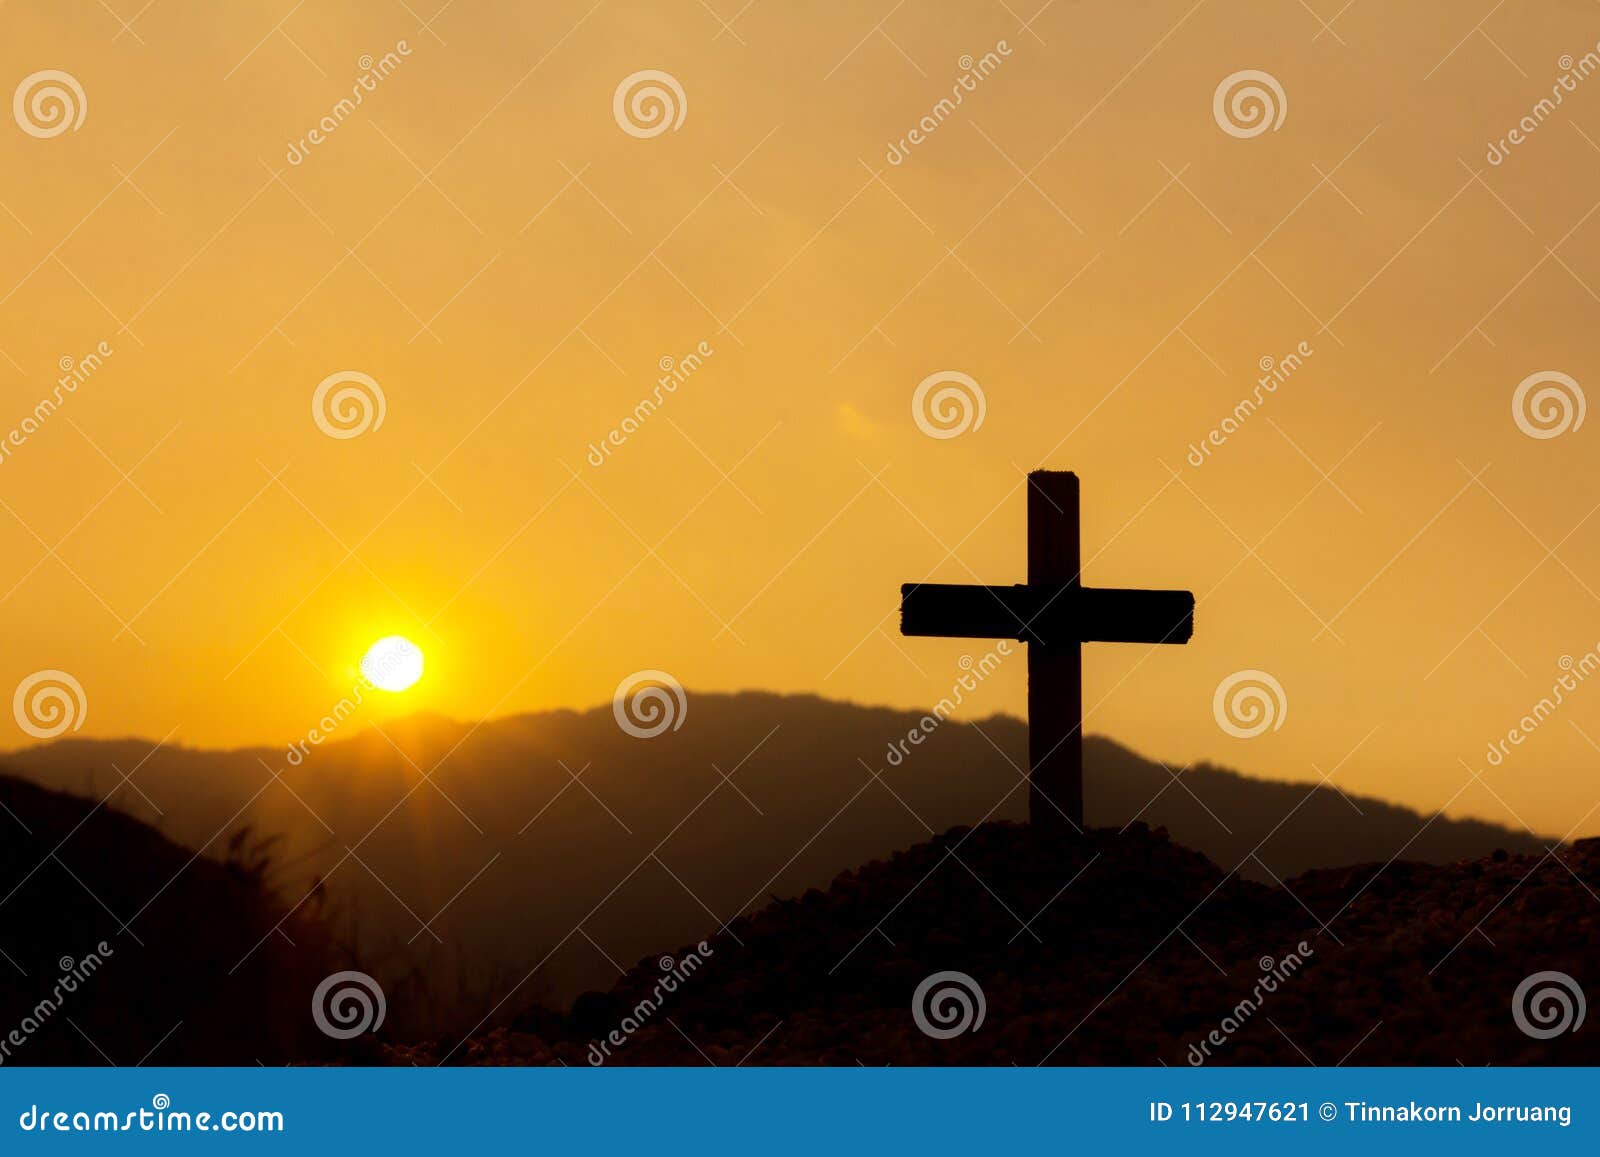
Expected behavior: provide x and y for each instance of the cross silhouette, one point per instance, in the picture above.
(1055, 615)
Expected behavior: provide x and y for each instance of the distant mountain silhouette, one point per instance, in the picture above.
(1269, 830)
(500, 866)
(209, 969)
(1006, 945)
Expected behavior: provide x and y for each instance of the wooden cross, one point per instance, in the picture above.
(1055, 615)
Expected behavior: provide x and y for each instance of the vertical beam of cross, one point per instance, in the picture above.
(1055, 668)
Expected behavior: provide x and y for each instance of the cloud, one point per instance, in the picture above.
(854, 423)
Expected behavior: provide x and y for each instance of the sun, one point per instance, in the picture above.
(393, 663)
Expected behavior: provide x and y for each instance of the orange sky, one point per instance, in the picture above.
(1079, 235)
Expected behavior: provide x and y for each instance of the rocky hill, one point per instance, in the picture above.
(1109, 948)
(542, 815)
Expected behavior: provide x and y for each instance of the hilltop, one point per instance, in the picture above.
(542, 815)
(1109, 948)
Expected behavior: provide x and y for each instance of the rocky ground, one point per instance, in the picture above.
(1109, 948)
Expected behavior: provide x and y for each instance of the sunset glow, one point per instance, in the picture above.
(1279, 377)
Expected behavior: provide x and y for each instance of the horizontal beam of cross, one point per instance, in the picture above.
(1042, 613)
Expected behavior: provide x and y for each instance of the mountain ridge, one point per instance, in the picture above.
(516, 838)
